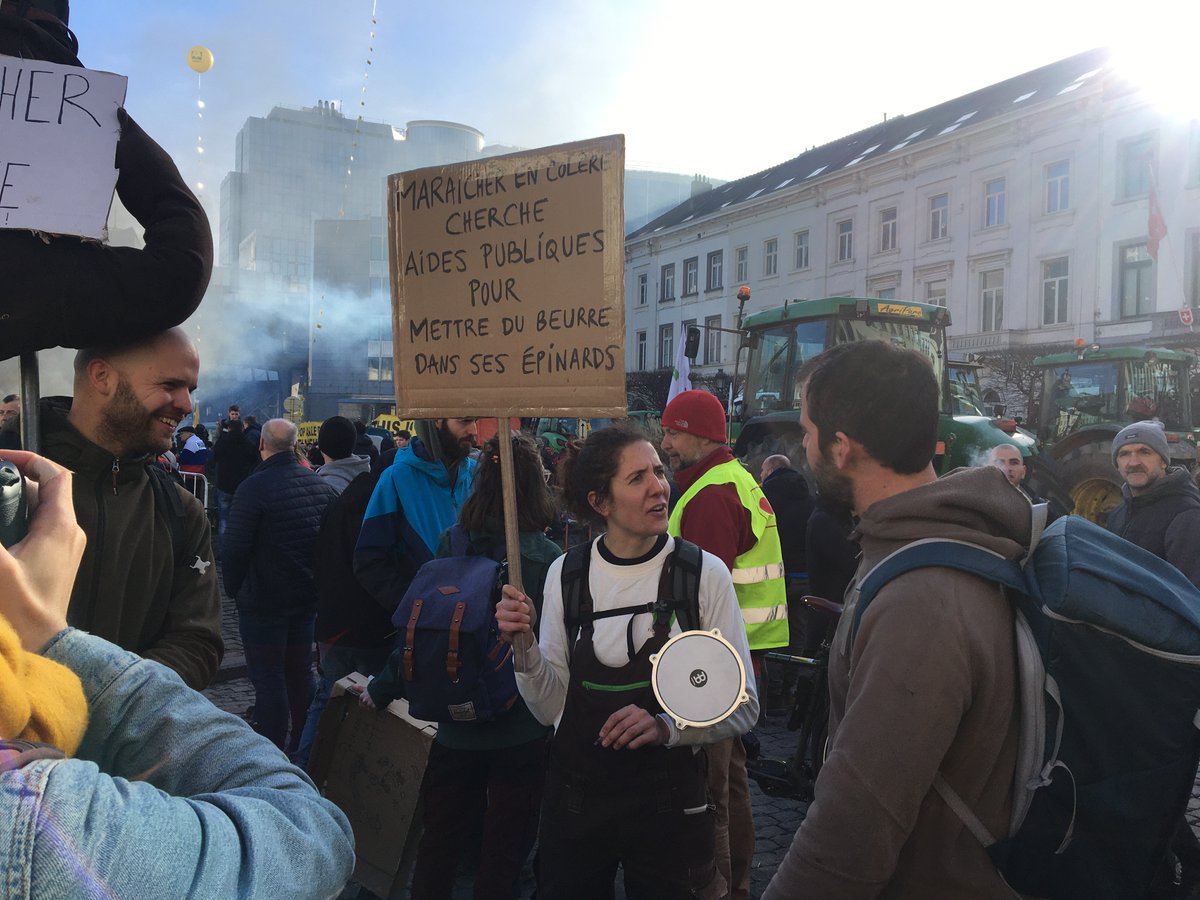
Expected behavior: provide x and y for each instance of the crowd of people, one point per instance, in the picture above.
(587, 765)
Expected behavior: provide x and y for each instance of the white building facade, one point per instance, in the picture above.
(1023, 207)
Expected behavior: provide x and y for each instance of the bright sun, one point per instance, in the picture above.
(1161, 65)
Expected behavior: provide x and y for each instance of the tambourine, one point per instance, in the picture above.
(698, 678)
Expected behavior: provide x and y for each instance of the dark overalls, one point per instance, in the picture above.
(646, 809)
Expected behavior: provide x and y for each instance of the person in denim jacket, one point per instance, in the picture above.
(166, 796)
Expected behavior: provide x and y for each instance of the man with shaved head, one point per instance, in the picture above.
(268, 551)
(146, 581)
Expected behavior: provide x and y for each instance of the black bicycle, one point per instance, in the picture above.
(795, 776)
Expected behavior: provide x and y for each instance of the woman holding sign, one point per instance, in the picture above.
(625, 785)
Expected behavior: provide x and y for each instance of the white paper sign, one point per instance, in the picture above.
(58, 139)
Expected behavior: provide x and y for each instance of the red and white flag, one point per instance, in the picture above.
(1156, 227)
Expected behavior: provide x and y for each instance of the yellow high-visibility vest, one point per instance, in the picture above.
(758, 574)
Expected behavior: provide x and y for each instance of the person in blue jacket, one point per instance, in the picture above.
(414, 502)
(163, 794)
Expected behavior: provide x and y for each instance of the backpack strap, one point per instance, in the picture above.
(686, 565)
(170, 509)
(575, 590)
(460, 541)
(678, 591)
(935, 553)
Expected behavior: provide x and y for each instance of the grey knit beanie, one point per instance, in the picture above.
(1149, 433)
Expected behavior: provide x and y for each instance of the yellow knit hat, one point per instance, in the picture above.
(40, 700)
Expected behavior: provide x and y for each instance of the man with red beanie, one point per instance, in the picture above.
(722, 510)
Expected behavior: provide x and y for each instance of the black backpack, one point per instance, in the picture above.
(678, 591)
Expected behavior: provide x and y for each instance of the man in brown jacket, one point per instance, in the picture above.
(928, 683)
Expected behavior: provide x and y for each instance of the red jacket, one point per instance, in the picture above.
(715, 519)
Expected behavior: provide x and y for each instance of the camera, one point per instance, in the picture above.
(14, 510)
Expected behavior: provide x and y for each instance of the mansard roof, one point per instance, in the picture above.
(892, 136)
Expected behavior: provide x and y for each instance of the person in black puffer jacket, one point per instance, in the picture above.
(267, 555)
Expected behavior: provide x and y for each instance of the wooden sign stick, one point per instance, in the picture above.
(512, 532)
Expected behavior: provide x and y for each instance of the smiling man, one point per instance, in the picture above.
(1161, 508)
(146, 581)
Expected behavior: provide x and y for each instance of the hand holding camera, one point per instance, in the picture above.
(38, 570)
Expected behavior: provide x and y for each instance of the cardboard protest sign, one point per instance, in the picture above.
(507, 284)
(58, 139)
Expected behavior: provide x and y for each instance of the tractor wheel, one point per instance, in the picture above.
(1092, 482)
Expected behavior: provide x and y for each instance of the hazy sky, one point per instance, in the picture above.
(722, 89)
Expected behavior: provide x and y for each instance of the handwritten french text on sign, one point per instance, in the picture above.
(58, 139)
(507, 285)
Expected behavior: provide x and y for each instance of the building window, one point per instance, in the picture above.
(712, 340)
(1058, 187)
(741, 264)
(939, 217)
(643, 287)
(991, 296)
(1135, 157)
(379, 360)
(1054, 291)
(691, 276)
(1194, 253)
(801, 249)
(935, 292)
(641, 351)
(886, 294)
(993, 203)
(1136, 281)
(716, 267)
(845, 240)
(666, 346)
(667, 283)
(377, 249)
(770, 257)
(887, 229)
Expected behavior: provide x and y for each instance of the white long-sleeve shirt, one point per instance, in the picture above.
(543, 683)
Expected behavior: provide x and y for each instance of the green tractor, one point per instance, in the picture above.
(1091, 394)
(781, 340)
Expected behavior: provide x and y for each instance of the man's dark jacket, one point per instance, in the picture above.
(787, 492)
(268, 547)
(234, 457)
(129, 589)
(1165, 520)
(347, 613)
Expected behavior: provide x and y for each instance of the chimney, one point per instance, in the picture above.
(700, 185)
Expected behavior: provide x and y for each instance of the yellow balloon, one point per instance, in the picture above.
(200, 59)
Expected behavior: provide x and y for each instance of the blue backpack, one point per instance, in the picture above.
(1108, 660)
(456, 668)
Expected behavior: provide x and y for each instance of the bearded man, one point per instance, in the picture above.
(416, 499)
(146, 581)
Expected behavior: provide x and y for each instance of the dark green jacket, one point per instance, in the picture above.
(129, 590)
(517, 726)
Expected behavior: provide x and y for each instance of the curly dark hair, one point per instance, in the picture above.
(485, 507)
(592, 465)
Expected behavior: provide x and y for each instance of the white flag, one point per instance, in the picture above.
(681, 378)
